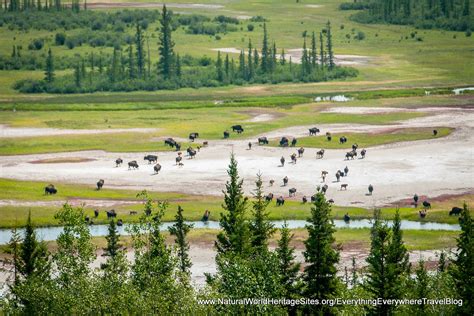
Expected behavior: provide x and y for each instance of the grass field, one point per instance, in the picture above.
(194, 206)
(369, 139)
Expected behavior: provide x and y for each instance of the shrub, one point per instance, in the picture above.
(36, 44)
(250, 27)
(60, 39)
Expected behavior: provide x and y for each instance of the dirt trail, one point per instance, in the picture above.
(397, 171)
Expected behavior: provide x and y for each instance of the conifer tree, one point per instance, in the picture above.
(289, 269)
(330, 53)
(77, 75)
(235, 236)
(140, 53)
(49, 73)
(227, 66)
(219, 70)
(166, 45)
(398, 255)
(314, 53)
(242, 67)
(282, 57)
(178, 66)
(33, 257)
(116, 264)
(320, 273)
(261, 228)
(462, 267)
(131, 63)
(265, 64)
(180, 230)
(256, 60)
(322, 59)
(354, 279)
(421, 285)
(250, 62)
(441, 262)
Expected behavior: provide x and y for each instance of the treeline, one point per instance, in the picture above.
(41, 5)
(453, 15)
(158, 280)
(131, 69)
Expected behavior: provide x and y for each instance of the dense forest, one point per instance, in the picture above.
(158, 281)
(129, 67)
(453, 15)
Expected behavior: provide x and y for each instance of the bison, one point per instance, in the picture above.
(300, 152)
(133, 164)
(157, 168)
(170, 142)
(269, 197)
(293, 142)
(111, 214)
(347, 218)
(371, 189)
(455, 211)
(320, 154)
(293, 158)
(178, 159)
(100, 184)
(435, 132)
(426, 204)
(280, 201)
(226, 134)
(282, 161)
(193, 136)
(151, 158)
(362, 153)
(237, 128)
(344, 186)
(284, 142)
(285, 181)
(304, 199)
(50, 189)
(313, 131)
(342, 139)
(118, 162)
(292, 192)
(262, 141)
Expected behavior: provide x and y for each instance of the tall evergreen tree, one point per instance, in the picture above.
(178, 66)
(166, 45)
(398, 255)
(235, 236)
(467, 8)
(305, 63)
(261, 228)
(282, 57)
(219, 70)
(33, 255)
(322, 59)
(462, 267)
(131, 63)
(77, 75)
(379, 278)
(49, 73)
(314, 53)
(116, 264)
(140, 53)
(242, 66)
(250, 65)
(274, 57)
(265, 64)
(421, 285)
(256, 60)
(321, 257)
(180, 230)
(329, 50)
(227, 66)
(289, 269)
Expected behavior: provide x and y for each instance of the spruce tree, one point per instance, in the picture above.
(422, 281)
(442, 262)
(462, 267)
(274, 57)
(49, 73)
(166, 45)
(265, 64)
(227, 66)
(320, 272)
(379, 278)
(116, 264)
(219, 70)
(131, 63)
(314, 53)
(250, 66)
(77, 75)
(140, 53)
(282, 57)
(467, 8)
(33, 255)
(242, 67)
(354, 279)
(329, 50)
(180, 230)
(235, 236)
(322, 59)
(178, 66)
(256, 60)
(261, 228)
(289, 269)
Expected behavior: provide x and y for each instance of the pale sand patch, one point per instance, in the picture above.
(11, 132)
(314, 6)
(62, 160)
(380, 110)
(261, 118)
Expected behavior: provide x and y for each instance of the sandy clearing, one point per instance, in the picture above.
(314, 6)
(297, 53)
(14, 132)
(203, 260)
(429, 167)
(150, 5)
(380, 110)
(62, 160)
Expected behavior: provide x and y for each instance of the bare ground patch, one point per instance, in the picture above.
(62, 160)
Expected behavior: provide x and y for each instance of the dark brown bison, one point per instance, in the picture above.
(111, 214)
(193, 136)
(292, 192)
(170, 142)
(118, 162)
(344, 186)
(293, 142)
(262, 141)
(313, 131)
(346, 171)
(120, 222)
(280, 201)
(293, 158)
(282, 161)
(157, 168)
(371, 189)
(284, 142)
(100, 184)
(151, 158)
(226, 134)
(347, 218)
(133, 164)
(320, 154)
(178, 159)
(435, 132)
(304, 199)
(50, 189)
(362, 153)
(191, 153)
(300, 152)
(342, 139)
(237, 128)
(269, 197)
(96, 213)
(426, 204)
(285, 181)
(455, 211)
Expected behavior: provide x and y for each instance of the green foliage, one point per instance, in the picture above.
(235, 236)
(462, 268)
(166, 45)
(261, 229)
(320, 255)
(180, 229)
